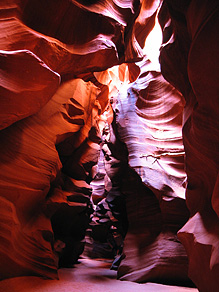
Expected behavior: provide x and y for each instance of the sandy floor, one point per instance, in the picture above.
(88, 276)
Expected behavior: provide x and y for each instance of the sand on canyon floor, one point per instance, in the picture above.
(87, 276)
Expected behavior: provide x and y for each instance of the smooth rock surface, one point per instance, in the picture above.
(54, 125)
(31, 184)
(90, 275)
(189, 61)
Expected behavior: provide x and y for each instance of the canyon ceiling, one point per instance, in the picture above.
(93, 134)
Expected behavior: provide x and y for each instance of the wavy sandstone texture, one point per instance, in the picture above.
(189, 60)
(50, 134)
(148, 120)
(31, 182)
(144, 164)
(60, 108)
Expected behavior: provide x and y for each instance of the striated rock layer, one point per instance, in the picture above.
(53, 126)
(189, 60)
(51, 133)
(148, 122)
(144, 161)
(27, 84)
(32, 186)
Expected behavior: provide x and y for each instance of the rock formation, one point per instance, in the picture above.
(189, 61)
(50, 134)
(64, 106)
(144, 161)
(32, 184)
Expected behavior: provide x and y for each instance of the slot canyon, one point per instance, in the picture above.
(109, 145)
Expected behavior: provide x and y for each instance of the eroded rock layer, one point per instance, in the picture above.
(189, 60)
(149, 119)
(54, 126)
(51, 133)
(32, 186)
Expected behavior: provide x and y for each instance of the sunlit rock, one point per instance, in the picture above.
(149, 120)
(54, 127)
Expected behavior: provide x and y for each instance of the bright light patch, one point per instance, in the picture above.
(152, 45)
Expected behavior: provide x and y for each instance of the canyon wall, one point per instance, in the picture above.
(51, 122)
(189, 61)
(158, 133)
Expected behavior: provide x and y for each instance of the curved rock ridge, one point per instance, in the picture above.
(149, 122)
(144, 161)
(52, 135)
(27, 84)
(124, 21)
(154, 140)
(114, 32)
(200, 238)
(64, 59)
(191, 45)
(144, 23)
(32, 186)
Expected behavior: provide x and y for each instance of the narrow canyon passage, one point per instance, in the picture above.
(109, 139)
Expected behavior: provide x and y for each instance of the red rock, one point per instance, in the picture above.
(193, 51)
(27, 84)
(93, 55)
(200, 238)
(29, 165)
(151, 112)
(51, 136)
